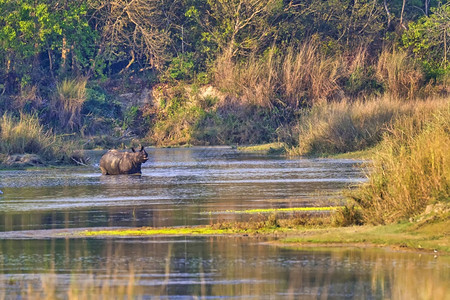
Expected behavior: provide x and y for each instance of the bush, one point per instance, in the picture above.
(68, 101)
(347, 216)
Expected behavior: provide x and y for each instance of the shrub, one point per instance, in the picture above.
(347, 216)
(68, 101)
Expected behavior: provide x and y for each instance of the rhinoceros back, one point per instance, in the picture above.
(109, 163)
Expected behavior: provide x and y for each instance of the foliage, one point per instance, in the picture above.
(270, 59)
(429, 39)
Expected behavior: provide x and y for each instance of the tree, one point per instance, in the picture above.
(428, 39)
(237, 27)
(132, 30)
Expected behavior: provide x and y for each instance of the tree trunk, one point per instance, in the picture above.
(401, 14)
(387, 12)
(64, 55)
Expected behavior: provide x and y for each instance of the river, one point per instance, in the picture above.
(192, 186)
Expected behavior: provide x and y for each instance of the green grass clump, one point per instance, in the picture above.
(25, 135)
(411, 168)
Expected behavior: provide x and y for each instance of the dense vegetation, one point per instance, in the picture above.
(218, 72)
(320, 77)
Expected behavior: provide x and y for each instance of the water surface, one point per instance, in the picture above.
(191, 187)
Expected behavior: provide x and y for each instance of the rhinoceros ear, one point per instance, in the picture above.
(132, 149)
(142, 149)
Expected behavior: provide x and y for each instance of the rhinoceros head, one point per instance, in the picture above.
(141, 155)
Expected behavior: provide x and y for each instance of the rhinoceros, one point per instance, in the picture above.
(114, 162)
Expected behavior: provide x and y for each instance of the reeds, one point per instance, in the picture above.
(68, 101)
(411, 168)
(344, 126)
(25, 135)
(401, 75)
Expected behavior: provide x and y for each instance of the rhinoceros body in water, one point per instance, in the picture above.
(114, 162)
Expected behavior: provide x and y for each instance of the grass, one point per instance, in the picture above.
(277, 210)
(349, 126)
(25, 135)
(68, 101)
(269, 148)
(410, 169)
(428, 235)
(428, 232)
(400, 74)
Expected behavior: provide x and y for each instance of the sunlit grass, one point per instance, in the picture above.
(425, 235)
(411, 168)
(147, 231)
(25, 135)
(347, 126)
(279, 210)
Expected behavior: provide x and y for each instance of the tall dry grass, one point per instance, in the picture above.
(299, 77)
(400, 74)
(25, 135)
(68, 101)
(411, 168)
(307, 76)
(344, 126)
(253, 81)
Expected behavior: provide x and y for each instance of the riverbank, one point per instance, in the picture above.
(428, 232)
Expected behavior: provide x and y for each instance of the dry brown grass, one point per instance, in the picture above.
(68, 101)
(308, 76)
(411, 168)
(300, 76)
(344, 126)
(25, 135)
(401, 75)
(253, 81)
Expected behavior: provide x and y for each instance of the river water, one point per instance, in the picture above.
(192, 186)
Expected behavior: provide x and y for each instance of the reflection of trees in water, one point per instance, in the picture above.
(217, 266)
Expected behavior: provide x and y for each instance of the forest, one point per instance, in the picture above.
(317, 77)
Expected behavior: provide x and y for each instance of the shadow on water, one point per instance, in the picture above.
(180, 187)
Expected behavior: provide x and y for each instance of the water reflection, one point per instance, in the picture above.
(180, 187)
(222, 267)
(177, 187)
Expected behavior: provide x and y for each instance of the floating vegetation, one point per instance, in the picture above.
(282, 210)
(148, 231)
